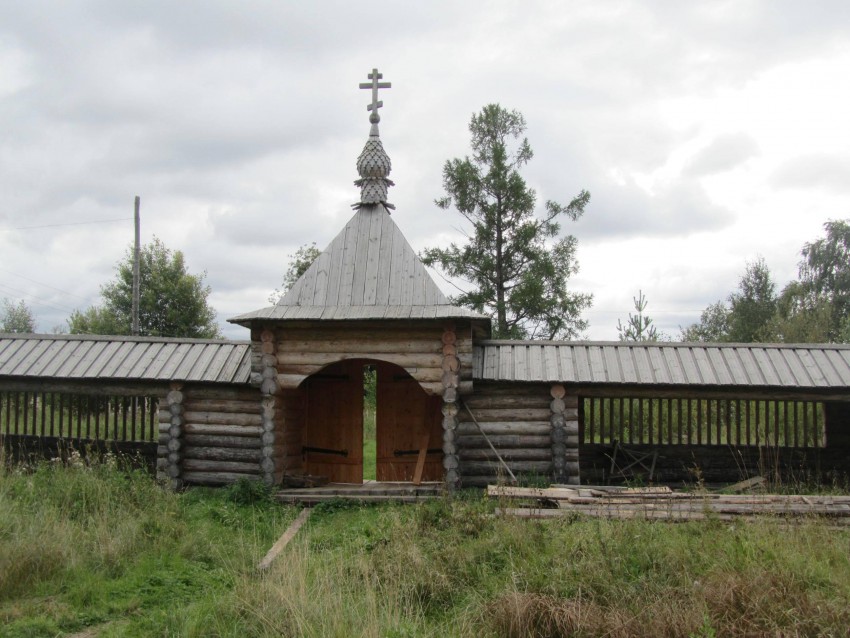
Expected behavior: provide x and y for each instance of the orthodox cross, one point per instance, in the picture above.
(375, 85)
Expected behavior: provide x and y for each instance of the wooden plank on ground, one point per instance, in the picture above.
(743, 486)
(282, 542)
(420, 461)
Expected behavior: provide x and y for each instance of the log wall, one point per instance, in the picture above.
(210, 435)
(302, 350)
(516, 418)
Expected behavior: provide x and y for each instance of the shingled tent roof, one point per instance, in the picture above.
(369, 271)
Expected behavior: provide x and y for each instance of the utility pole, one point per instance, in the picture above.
(135, 310)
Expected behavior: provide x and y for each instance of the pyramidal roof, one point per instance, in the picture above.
(369, 270)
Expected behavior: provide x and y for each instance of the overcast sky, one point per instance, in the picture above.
(708, 133)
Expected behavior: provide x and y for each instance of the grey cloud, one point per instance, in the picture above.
(723, 154)
(830, 172)
(620, 211)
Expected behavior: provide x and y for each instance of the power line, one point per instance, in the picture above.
(38, 300)
(94, 221)
(41, 283)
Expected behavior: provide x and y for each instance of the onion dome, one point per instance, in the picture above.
(373, 164)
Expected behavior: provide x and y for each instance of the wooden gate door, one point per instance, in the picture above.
(333, 432)
(407, 422)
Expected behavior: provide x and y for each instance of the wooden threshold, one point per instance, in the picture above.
(366, 492)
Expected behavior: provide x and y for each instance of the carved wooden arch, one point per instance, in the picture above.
(428, 378)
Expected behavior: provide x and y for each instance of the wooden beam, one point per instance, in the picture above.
(283, 541)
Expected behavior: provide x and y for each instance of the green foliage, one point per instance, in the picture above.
(96, 549)
(750, 315)
(713, 325)
(100, 547)
(248, 492)
(813, 309)
(639, 327)
(298, 265)
(172, 302)
(518, 265)
(817, 307)
(752, 308)
(16, 317)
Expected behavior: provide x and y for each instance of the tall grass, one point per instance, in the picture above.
(449, 568)
(95, 542)
(101, 547)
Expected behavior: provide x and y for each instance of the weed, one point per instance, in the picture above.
(248, 492)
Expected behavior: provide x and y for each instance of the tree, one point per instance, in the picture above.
(750, 315)
(753, 307)
(516, 265)
(639, 327)
(16, 317)
(824, 275)
(298, 265)
(713, 325)
(172, 302)
(801, 318)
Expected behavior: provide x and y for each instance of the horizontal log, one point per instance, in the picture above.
(217, 478)
(518, 388)
(204, 465)
(433, 388)
(703, 392)
(506, 427)
(423, 367)
(505, 441)
(506, 414)
(291, 381)
(223, 405)
(406, 360)
(95, 387)
(219, 418)
(248, 431)
(496, 469)
(483, 480)
(356, 349)
(223, 453)
(230, 391)
(378, 331)
(523, 454)
(481, 400)
(199, 440)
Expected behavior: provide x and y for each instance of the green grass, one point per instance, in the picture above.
(369, 444)
(108, 550)
(85, 546)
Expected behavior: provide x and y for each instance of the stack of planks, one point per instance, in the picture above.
(662, 503)
(516, 419)
(221, 436)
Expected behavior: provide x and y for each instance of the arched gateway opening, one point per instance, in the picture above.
(408, 430)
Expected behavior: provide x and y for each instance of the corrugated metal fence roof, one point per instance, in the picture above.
(115, 357)
(757, 365)
(158, 359)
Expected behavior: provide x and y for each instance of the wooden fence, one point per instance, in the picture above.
(689, 422)
(79, 417)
